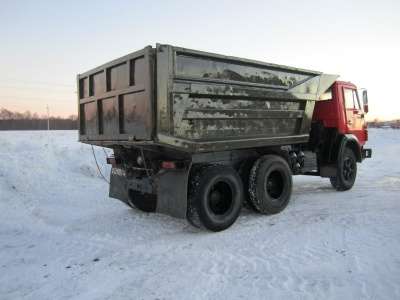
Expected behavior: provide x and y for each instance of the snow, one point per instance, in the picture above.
(61, 237)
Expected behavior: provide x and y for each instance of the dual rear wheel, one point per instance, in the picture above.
(215, 197)
(216, 192)
(270, 184)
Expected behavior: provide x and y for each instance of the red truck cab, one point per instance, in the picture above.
(339, 133)
(343, 109)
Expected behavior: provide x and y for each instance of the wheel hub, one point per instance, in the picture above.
(348, 168)
(274, 184)
(220, 198)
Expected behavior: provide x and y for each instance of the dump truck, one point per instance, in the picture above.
(198, 135)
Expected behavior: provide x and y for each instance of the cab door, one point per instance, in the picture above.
(354, 114)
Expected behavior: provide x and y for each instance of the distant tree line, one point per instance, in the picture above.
(10, 120)
(376, 123)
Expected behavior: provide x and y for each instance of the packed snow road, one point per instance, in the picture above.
(61, 237)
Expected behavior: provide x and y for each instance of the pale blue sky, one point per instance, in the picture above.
(44, 44)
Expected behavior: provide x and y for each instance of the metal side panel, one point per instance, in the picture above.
(210, 102)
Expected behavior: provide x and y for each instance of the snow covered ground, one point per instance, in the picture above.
(61, 237)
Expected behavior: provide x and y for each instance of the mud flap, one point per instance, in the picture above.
(171, 188)
(118, 185)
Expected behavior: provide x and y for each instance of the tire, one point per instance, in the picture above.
(346, 171)
(244, 173)
(215, 197)
(333, 182)
(270, 184)
(143, 202)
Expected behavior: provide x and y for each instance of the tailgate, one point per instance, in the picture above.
(116, 99)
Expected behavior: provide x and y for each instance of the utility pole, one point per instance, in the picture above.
(48, 117)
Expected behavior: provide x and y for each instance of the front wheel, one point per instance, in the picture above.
(346, 171)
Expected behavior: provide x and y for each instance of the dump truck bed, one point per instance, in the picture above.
(196, 101)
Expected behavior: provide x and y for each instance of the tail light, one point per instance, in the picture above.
(111, 160)
(168, 165)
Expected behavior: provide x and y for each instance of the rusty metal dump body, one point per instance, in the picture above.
(195, 101)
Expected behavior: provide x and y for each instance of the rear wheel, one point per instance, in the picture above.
(346, 171)
(244, 173)
(270, 184)
(215, 197)
(143, 202)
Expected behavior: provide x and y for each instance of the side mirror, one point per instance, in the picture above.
(365, 100)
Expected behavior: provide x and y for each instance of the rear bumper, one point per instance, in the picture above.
(366, 153)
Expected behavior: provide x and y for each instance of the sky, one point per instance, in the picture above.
(45, 44)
